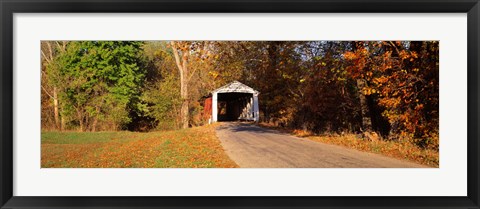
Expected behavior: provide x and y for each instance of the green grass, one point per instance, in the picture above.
(88, 137)
(191, 148)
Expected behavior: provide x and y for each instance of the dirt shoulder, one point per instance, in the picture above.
(399, 150)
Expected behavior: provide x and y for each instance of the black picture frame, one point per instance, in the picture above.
(9, 7)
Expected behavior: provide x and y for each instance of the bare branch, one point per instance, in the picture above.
(395, 47)
(45, 90)
(50, 50)
(177, 58)
(63, 46)
(44, 56)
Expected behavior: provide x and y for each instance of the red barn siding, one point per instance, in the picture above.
(207, 108)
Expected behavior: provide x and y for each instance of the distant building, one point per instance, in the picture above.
(234, 101)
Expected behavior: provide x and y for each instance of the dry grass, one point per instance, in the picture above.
(191, 148)
(397, 149)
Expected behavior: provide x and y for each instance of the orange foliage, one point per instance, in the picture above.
(404, 81)
(196, 147)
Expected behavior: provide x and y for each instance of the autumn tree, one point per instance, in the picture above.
(181, 51)
(331, 101)
(188, 54)
(403, 76)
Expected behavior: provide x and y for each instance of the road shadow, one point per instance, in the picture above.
(246, 127)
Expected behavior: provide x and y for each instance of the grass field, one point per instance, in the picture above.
(190, 148)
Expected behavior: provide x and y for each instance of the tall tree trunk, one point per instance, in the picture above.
(184, 93)
(55, 109)
(366, 116)
(95, 120)
(49, 58)
(183, 71)
(361, 83)
(80, 120)
(62, 123)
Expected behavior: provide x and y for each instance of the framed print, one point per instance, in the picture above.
(263, 104)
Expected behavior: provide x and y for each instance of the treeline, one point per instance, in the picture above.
(385, 87)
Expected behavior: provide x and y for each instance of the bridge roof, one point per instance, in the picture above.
(235, 87)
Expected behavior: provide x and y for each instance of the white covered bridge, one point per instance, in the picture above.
(234, 101)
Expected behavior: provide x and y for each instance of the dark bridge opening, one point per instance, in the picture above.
(231, 105)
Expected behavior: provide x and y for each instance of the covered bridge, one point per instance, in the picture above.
(234, 101)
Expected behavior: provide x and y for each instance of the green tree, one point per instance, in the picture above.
(100, 82)
(162, 88)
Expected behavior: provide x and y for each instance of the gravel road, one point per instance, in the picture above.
(251, 146)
